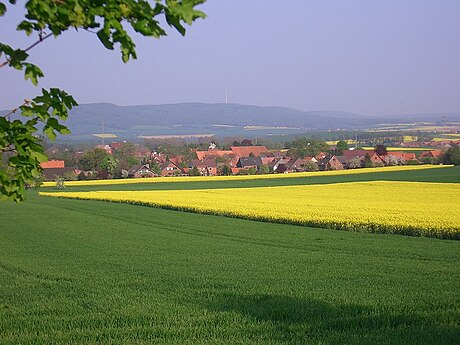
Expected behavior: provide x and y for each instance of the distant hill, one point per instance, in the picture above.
(221, 120)
(197, 116)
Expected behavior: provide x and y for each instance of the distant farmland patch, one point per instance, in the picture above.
(175, 136)
(401, 148)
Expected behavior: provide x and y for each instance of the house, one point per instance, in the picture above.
(176, 159)
(398, 157)
(349, 154)
(232, 162)
(295, 165)
(431, 154)
(267, 160)
(141, 170)
(52, 164)
(249, 162)
(54, 168)
(279, 165)
(410, 158)
(208, 167)
(246, 151)
(320, 156)
(376, 159)
(212, 153)
(330, 163)
(50, 174)
(310, 159)
(350, 163)
(170, 169)
(353, 155)
(159, 158)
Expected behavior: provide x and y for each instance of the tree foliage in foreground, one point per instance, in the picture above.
(21, 151)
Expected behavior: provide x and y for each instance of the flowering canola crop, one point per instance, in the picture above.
(247, 177)
(411, 208)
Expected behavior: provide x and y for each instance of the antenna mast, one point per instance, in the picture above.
(102, 125)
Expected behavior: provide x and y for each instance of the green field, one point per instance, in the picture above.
(450, 175)
(97, 272)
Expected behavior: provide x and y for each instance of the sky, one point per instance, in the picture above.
(362, 56)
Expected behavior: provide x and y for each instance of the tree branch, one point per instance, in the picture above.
(12, 111)
(41, 39)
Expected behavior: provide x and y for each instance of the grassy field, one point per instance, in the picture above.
(94, 272)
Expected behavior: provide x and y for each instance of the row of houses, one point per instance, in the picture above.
(56, 168)
(249, 159)
(242, 159)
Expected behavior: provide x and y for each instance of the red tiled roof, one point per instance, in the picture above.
(320, 156)
(356, 153)
(176, 159)
(245, 151)
(267, 160)
(432, 153)
(234, 161)
(395, 154)
(208, 163)
(216, 153)
(409, 156)
(310, 159)
(53, 164)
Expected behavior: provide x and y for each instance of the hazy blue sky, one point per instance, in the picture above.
(364, 56)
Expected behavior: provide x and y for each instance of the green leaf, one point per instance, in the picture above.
(26, 26)
(32, 72)
(49, 133)
(6, 49)
(104, 37)
(39, 156)
(2, 9)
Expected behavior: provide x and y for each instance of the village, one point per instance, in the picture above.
(129, 160)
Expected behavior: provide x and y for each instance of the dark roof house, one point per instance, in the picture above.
(141, 170)
(249, 162)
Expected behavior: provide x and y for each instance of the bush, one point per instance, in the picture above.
(412, 162)
(194, 172)
(70, 176)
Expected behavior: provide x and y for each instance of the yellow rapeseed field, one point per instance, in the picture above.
(413, 208)
(244, 177)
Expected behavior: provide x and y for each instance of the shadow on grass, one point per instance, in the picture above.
(284, 319)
